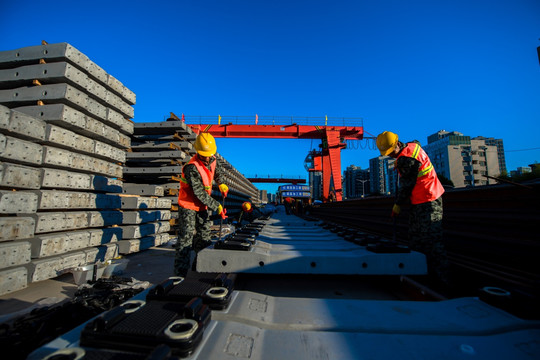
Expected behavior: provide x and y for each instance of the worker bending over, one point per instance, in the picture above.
(248, 214)
(194, 201)
(419, 185)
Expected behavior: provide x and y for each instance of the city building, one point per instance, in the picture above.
(500, 150)
(383, 177)
(356, 182)
(263, 196)
(465, 161)
(521, 170)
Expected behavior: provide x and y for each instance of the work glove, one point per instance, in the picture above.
(222, 212)
(396, 209)
(224, 190)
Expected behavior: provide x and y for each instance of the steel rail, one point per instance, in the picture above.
(489, 232)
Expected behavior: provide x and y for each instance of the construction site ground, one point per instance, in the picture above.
(153, 265)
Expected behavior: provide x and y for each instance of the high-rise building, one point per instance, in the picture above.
(463, 160)
(500, 150)
(263, 196)
(355, 182)
(383, 177)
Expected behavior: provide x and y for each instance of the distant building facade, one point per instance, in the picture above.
(521, 170)
(383, 176)
(356, 182)
(463, 160)
(263, 196)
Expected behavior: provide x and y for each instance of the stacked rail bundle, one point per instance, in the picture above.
(65, 125)
(155, 159)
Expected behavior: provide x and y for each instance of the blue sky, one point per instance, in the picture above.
(412, 67)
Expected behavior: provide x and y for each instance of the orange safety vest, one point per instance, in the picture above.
(186, 198)
(428, 187)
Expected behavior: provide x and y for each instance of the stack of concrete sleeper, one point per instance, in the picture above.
(159, 151)
(64, 129)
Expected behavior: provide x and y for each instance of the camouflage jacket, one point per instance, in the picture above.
(408, 173)
(193, 178)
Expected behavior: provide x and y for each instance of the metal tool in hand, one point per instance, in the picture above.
(221, 217)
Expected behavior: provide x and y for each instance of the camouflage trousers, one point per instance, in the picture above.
(193, 234)
(425, 236)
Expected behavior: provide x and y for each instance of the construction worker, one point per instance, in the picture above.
(288, 205)
(194, 201)
(248, 213)
(419, 185)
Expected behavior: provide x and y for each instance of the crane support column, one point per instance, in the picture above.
(334, 153)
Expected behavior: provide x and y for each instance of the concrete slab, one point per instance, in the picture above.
(18, 202)
(65, 159)
(59, 243)
(63, 138)
(63, 179)
(19, 176)
(163, 203)
(164, 127)
(52, 73)
(144, 155)
(13, 279)
(14, 253)
(157, 145)
(46, 268)
(21, 125)
(109, 152)
(162, 170)
(141, 217)
(73, 97)
(69, 118)
(265, 261)
(57, 199)
(59, 221)
(143, 189)
(121, 90)
(64, 52)
(104, 236)
(16, 228)
(138, 202)
(105, 184)
(143, 230)
(135, 245)
(105, 218)
(20, 151)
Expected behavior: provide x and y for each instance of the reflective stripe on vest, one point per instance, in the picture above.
(186, 197)
(428, 187)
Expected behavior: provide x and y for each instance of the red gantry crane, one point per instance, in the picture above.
(332, 138)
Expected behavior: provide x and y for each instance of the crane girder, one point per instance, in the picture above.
(292, 131)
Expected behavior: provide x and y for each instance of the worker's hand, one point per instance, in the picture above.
(222, 212)
(224, 190)
(396, 209)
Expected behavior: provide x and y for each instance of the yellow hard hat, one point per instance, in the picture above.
(386, 142)
(246, 206)
(205, 144)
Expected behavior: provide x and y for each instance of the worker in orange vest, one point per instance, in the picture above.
(248, 214)
(194, 201)
(288, 202)
(419, 185)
